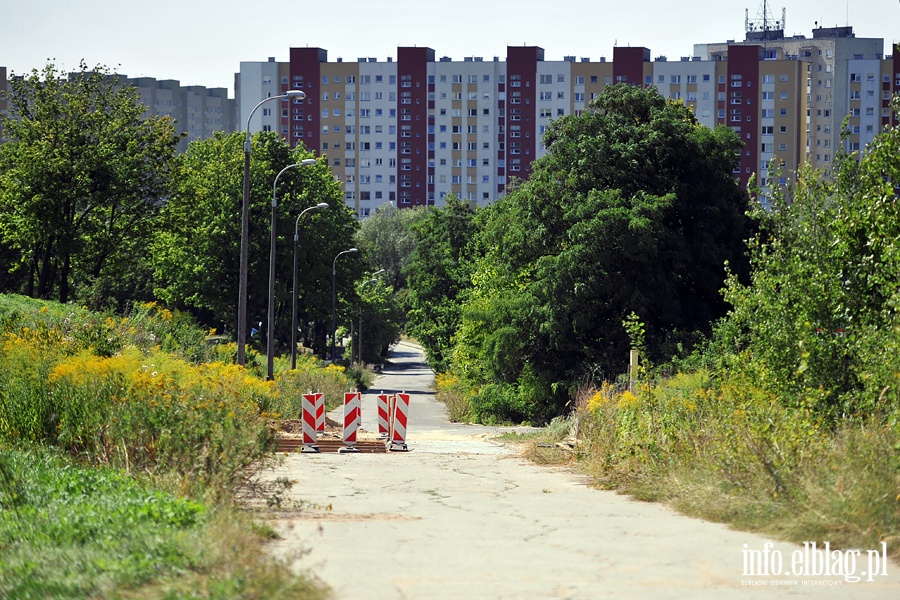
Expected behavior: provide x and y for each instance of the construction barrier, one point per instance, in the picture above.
(308, 417)
(398, 423)
(383, 415)
(352, 418)
(320, 412)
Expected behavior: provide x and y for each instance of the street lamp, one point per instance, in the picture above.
(294, 288)
(359, 333)
(245, 231)
(334, 296)
(270, 336)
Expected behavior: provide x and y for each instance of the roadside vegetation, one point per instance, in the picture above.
(123, 444)
(768, 394)
(781, 413)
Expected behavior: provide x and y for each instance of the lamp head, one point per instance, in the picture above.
(322, 205)
(299, 94)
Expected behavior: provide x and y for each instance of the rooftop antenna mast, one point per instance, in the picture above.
(764, 20)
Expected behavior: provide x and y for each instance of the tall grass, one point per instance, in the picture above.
(144, 407)
(728, 451)
(72, 532)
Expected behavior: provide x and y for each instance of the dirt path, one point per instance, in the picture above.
(459, 516)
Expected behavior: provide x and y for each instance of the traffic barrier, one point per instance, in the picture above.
(320, 412)
(398, 428)
(308, 416)
(383, 415)
(352, 417)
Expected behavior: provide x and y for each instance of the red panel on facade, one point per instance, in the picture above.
(521, 85)
(412, 125)
(628, 64)
(895, 80)
(306, 75)
(743, 84)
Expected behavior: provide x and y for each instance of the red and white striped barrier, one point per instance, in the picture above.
(383, 413)
(309, 423)
(352, 417)
(398, 425)
(320, 412)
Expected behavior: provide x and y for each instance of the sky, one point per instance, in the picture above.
(203, 42)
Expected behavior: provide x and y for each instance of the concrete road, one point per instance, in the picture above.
(459, 516)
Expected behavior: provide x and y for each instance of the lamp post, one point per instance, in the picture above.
(359, 332)
(270, 335)
(245, 231)
(294, 288)
(334, 296)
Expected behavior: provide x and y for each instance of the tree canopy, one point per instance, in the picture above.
(818, 322)
(82, 178)
(197, 250)
(633, 209)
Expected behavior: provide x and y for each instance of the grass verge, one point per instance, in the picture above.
(728, 452)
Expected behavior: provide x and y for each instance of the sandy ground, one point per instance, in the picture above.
(461, 516)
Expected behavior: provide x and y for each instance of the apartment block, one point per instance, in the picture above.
(198, 111)
(412, 130)
(827, 57)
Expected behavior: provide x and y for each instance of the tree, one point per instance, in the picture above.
(84, 175)
(381, 319)
(197, 250)
(387, 239)
(818, 322)
(633, 209)
(438, 273)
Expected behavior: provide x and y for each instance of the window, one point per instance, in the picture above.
(675, 79)
(546, 79)
(768, 78)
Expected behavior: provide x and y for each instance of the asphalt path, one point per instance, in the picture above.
(462, 516)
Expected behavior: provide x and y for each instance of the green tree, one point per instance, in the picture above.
(82, 178)
(197, 251)
(387, 239)
(818, 323)
(382, 319)
(633, 209)
(438, 274)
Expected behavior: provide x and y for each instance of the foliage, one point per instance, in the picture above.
(206, 424)
(388, 241)
(819, 322)
(196, 253)
(633, 210)
(73, 532)
(726, 449)
(380, 319)
(438, 274)
(82, 177)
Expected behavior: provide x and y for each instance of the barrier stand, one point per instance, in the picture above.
(382, 415)
(392, 404)
(351, 421)
(308, 415)
(398, 430)
(320, 412)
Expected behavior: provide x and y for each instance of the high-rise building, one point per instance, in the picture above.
(413, 130)
(198, 111)
(824, 77)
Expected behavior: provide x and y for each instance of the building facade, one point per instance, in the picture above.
(198, 111)
(412, 130)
